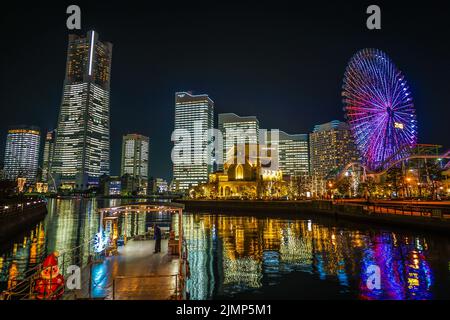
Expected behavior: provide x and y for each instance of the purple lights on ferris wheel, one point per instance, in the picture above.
(379, 109)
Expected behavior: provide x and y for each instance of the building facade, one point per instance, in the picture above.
(332, 147)
(293, 154)
(22, 153)
(49, 152)
(244, 177)
(159, 186)
(237, 130)
(135, 155)
(194, 121)
(83, 140)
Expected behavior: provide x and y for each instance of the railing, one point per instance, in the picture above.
(392, 209)
(413, 211)
(158, 290)
(24, 288)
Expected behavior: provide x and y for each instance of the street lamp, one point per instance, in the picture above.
(408, 190)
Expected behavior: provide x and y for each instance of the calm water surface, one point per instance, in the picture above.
(261, 256)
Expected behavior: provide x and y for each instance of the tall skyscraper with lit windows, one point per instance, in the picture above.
(83, 139)
(49, 152)
(22, 153)
(194, 115)
(237, 130)
(293, 154)
(135, 151)
(332, 146)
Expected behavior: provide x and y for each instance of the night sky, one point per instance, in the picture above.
(282, 62)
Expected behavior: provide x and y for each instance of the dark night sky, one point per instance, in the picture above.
(283, 63)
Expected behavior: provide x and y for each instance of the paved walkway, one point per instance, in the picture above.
(139, 274)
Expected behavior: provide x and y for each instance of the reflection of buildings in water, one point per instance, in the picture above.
(295, 249)
(332, 252)
(12, 274)
(199, 247)
(23, 256)
(141, 224)
(113, 203)
(133, 223)
(245, 272)
(296, 243)
(62, 227)
(73, 225)
(404, 270)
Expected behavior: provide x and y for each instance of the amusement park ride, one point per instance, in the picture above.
(379, 109)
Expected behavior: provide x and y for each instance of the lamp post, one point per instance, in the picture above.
(408, 190)
(330, 186)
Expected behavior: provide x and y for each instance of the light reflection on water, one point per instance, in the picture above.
(247, 256)
(234, 256)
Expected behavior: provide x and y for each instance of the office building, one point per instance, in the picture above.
(237, 130)
(82, 138)
(135, 155)
(293, 154)
(194, 117)
(49, 152)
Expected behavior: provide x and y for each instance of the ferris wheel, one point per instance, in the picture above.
(379, 109)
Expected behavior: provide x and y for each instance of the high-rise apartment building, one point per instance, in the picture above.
(82, 137)
(22, 153)
(293, 154)
(331, 147)
(135, 155)
(237, 130)
(194, 117)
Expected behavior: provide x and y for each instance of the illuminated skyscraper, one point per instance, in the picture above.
(237, 130)
(135, 149)
(194, 115)
(293, 154)
(331, 147)
(82, 139)
(49, 151)
(22, 153)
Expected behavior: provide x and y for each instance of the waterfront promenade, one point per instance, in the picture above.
(401, 214)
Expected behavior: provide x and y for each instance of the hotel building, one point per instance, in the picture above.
(22, 153)
(331, 147)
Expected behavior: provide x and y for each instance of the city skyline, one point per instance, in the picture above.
(225, 151)
(281, 98)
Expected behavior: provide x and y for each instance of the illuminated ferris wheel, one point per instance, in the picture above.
(379, 109)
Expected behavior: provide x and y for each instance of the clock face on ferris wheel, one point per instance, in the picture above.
(379, 109)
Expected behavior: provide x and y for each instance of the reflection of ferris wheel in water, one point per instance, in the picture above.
(379, 109)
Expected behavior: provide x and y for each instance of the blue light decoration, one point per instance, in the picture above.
(100, 279)
(379, 109)
(100, 242)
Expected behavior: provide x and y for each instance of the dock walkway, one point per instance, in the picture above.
(135, 273)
